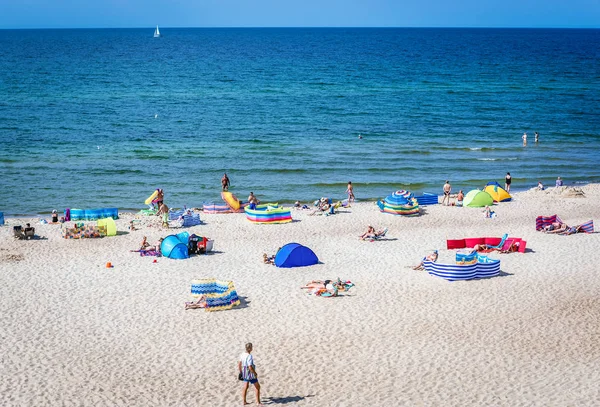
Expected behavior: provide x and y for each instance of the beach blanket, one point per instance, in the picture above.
(146, 253)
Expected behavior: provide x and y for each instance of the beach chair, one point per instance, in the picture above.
(18, 232)
(29, 233)
(381, 234)
(501, 244)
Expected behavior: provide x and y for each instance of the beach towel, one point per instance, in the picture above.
(146, 253)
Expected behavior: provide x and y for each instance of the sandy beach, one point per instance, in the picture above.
(74, 333)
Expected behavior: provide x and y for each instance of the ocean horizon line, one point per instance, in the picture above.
(566, 28)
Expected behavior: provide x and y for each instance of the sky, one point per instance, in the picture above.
(296, 13)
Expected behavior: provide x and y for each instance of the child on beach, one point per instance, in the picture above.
(488, 212)
(54, 216)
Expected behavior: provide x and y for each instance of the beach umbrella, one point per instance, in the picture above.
(400, 203)
(497, 193)
(477, 199)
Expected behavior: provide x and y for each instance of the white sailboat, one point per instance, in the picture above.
(156, 33)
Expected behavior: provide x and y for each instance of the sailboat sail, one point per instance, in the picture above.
(156, 32)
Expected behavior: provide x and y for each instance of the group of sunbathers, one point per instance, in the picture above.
(561, 228)
(328, 288)
(146, 247)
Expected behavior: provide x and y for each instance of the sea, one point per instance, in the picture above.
(95, 118)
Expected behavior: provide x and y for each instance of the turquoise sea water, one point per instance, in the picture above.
(100, 118)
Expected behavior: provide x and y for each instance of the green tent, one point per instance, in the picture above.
(477, 199)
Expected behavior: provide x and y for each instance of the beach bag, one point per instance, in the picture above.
(193, 244)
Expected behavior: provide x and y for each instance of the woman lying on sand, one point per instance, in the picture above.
(199, 303)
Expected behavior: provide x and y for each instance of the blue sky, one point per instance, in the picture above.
(305, 13)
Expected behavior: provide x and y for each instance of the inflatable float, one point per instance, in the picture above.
(234, 204)
(151, 197)
(268, 213)
(400, 203)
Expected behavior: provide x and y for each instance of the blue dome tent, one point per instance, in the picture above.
(295, 255)
(175, 246)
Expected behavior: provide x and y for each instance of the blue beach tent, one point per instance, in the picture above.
(175, 246)
(295, 255)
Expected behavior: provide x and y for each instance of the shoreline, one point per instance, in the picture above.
(284, 203)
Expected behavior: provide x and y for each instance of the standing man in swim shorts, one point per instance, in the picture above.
(447, 190)
(225, 182)
(248, 373)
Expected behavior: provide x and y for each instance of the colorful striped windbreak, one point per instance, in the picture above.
(220, 294)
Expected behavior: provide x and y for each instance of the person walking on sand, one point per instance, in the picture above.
(447, 189)
(350, 192)
(225, 182)
(507, 181)
(248, 373)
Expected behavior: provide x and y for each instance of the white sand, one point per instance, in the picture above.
(75, 333)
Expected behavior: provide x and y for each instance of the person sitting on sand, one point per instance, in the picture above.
(431, 257)
(268, 259)
(144, 243)
(54, 216)
(322, 206)
(488, 212)
(559, 182)
(298, 205)
(459, 198)
(370, 233)
(540, 186)
(155, 248)
(199, 303)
